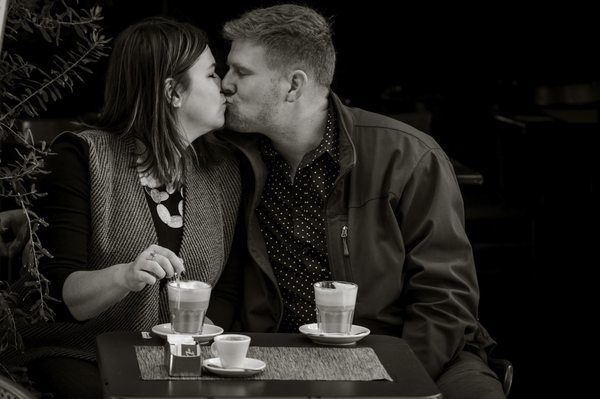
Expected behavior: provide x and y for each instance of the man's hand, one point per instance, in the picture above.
(14, 231)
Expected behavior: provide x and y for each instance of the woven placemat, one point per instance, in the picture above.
(283, 363)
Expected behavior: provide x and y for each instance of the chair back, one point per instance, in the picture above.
(504, 370)
(12, 390)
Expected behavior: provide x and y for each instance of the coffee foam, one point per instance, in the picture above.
(343, 294)
(189, 291)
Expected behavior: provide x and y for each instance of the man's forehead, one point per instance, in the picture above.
(245, 51)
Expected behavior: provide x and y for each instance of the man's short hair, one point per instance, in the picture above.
(295, 37)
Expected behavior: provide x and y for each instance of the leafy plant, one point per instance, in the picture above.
(25, 90)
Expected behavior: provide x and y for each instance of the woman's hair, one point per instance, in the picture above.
(294, 37)
(136, 102)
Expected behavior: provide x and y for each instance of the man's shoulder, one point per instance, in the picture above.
(367, 125)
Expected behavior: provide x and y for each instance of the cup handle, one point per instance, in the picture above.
(213, 349)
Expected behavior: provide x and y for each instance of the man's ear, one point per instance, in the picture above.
(298, 83)
(171, 93)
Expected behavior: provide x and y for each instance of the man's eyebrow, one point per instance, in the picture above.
(237, 65)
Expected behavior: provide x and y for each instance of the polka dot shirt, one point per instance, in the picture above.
(292, 219)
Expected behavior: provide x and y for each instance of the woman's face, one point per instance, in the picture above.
(202, 105)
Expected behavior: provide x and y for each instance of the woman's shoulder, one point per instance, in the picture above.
(80, 137)
(101, 141)
(94, 135)
(68, 140)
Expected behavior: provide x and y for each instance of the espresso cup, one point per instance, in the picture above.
(188, 302)
(335, 302)
(231, 349)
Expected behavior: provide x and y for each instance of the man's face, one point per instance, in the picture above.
(255, 93)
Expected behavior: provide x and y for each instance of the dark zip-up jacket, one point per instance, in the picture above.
(395, 226)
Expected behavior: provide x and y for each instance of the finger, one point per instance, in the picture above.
(176, 262)
(146, 278)
(152, 266)
(165, 264)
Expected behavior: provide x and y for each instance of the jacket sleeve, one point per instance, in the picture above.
(441, 292)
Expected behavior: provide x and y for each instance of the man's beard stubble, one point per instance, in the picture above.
(259, 122)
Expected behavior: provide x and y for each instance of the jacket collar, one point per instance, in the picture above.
(346, 129)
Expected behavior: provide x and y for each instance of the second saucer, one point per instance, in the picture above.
(250, 367)
(356, 334)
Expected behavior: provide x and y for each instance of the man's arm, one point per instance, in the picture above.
(441, 279)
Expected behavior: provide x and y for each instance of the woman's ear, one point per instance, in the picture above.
(298, 81)
(172, 95)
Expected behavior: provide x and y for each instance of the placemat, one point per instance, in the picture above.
(283, 363)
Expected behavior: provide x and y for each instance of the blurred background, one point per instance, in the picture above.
(511, 92)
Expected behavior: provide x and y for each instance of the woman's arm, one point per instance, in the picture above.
(86, 293)
(89, 293)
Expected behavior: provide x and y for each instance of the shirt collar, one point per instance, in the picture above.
(329, 143)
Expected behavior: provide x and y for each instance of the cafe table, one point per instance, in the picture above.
(121, 375)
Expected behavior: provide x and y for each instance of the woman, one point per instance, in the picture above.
(140, 198)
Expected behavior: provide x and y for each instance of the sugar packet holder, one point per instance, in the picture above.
(182, 356)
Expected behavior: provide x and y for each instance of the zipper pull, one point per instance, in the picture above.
(344, 236)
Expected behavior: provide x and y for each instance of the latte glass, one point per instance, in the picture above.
(188, 302)
(335, 302)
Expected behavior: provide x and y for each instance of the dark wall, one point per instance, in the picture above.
(496, 52)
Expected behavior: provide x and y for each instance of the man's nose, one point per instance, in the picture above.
(226, 86)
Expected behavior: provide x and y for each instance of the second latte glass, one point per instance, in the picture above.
(335, 302)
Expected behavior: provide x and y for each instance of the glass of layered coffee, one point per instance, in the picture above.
(188, 302)
(335, 302)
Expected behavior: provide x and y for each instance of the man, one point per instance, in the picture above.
(341, 193)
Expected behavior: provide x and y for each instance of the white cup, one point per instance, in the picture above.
(231, 349)
(335, 302)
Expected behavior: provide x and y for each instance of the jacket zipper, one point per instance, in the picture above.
(344, 237)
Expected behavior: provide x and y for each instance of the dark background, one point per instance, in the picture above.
(509, 90)
(497, 52)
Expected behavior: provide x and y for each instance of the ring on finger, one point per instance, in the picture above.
(152, 256)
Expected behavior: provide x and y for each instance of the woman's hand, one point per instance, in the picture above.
(152, 264)
(89, 293)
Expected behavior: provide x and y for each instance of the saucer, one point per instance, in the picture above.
(250, 367)
(356, 334)
(209, 331)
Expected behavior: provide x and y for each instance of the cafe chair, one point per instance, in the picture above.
(504, 370)
(11, 390)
